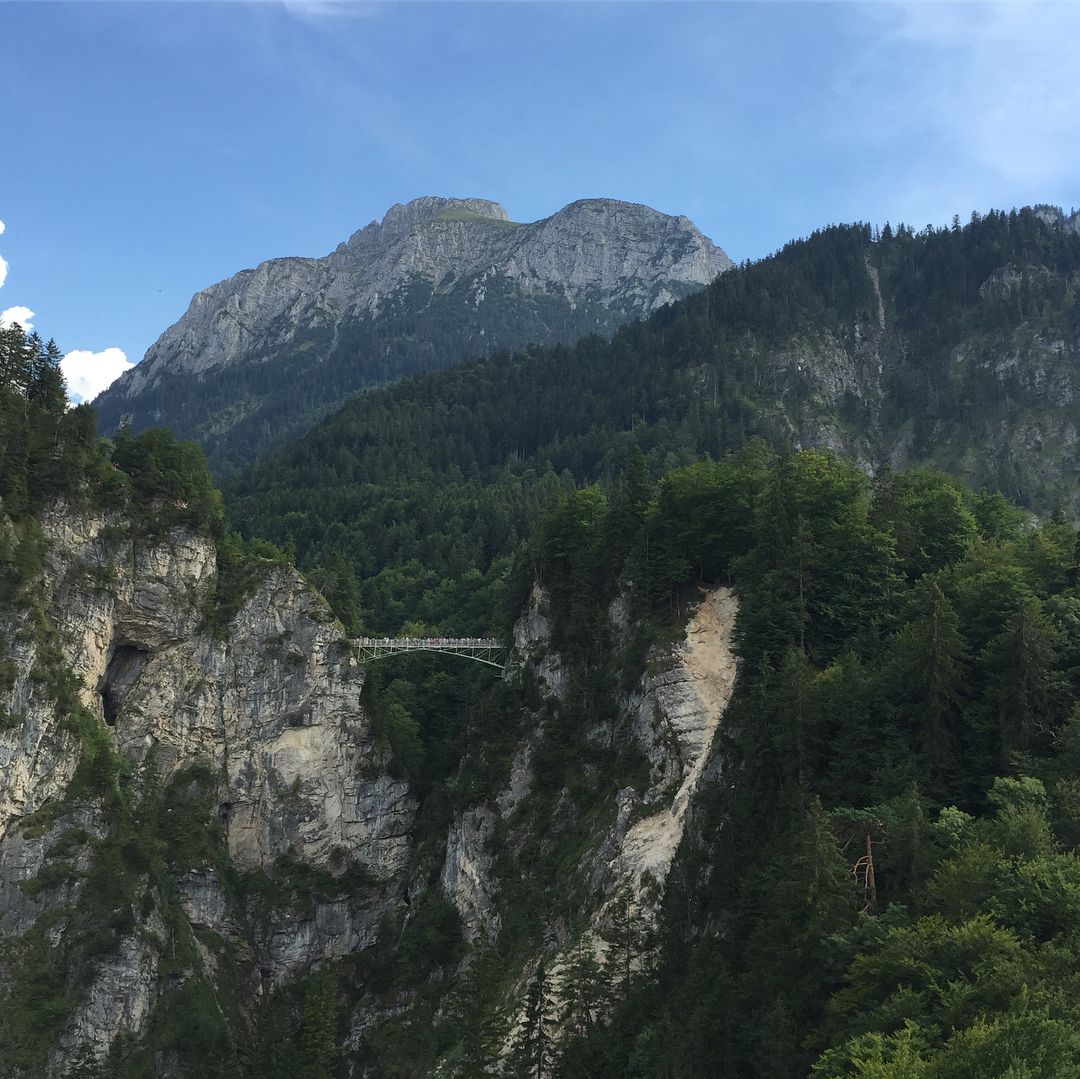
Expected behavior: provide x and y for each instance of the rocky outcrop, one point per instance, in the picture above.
(628, 255)
(435, 282)
(1057, 218)
(534, 648)
(120, 999)
(674, 712)
(466, 875)
(271, 711)
(265, 719)
(677, 713)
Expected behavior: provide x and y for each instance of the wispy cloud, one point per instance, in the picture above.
(986, 95)
(3, 263)
(16, 316)
(89, 373)
(1009, 92)
(334, 9)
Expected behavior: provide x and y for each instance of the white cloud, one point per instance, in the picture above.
(3, 268)
(313, 10)
(88, 373)
(17, 316)
(2, 226)
(985, 98)
(1010, 93)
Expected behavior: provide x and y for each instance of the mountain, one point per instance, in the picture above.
(262, 356)
(224, 835)
(778, 778)
(956, 348)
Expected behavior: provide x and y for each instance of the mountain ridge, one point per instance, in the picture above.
(435, 281)
(791, 350)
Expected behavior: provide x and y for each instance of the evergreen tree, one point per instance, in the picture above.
(477, 1014)
(584, 991)
(629, 940)
(533, 1051)
(933, 669)
(318, 1034)
(1025, 688)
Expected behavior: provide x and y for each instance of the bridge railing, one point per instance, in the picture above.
(487, 650)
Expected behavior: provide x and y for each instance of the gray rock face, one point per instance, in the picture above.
(630, 254)
(1056, 217)
(315, 854)
(466, 873)
(272, 710)
(475, 281)
(533, 647)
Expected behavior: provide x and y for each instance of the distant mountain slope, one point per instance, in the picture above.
(958, 348)
(262, 356)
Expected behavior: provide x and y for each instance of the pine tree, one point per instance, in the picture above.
(533, 1050)
(628, 938)
(629, 507)
(933, 667)
(477, 1014)
(584, 993)
(1026, 688)
(318, 1035)
(86, 1064)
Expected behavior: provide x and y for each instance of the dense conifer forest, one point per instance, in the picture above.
(886, 885)
(882, 877)
(880, 344)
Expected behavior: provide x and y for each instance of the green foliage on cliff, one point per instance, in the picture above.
(52, 454)
(939, 348)
(46, 451)
(908, 691)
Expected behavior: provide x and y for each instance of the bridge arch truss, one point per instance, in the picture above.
(486, 650)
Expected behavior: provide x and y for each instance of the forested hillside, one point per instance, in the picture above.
(955, 348)
(229, 849)
(886, 880)
(260, 357)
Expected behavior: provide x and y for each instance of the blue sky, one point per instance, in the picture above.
(151, 149)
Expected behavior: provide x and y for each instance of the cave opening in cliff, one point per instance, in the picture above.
(123, 669)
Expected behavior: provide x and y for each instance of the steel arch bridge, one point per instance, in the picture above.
(479, 649)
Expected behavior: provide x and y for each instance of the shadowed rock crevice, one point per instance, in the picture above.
(122, 672)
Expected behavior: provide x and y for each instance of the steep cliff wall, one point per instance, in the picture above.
(671, 713)
(270, 713)
(196, 819)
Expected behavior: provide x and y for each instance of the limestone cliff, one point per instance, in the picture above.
(270, 714)
(437, 281)
(672, 713)
(194, 820)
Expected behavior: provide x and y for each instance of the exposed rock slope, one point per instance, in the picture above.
(673, 712)
(269, 717)
(265, 353)
(264, 833)
(680, 708)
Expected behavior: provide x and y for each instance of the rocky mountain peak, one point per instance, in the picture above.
(437, 281)
(1055, 217)
(431, 207)
(402, 218)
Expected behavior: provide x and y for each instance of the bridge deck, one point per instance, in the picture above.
(482, 649)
